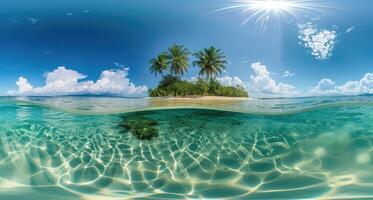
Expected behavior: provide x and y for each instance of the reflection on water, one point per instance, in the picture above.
(23, 113)
(106, 105)
(319, 153)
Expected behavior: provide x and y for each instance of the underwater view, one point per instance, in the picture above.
(86, 148)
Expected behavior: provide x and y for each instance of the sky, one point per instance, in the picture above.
(104, 46)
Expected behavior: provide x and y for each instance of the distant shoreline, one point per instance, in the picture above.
(202, 98)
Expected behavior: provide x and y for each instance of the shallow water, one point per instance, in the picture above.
(75, 148)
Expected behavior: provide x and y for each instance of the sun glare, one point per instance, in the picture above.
(272, 5)
(264, 11)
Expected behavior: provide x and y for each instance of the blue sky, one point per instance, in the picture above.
(91, 37)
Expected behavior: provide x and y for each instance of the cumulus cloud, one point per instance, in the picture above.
(324, 86)
(287, 74)
(231, 81)
(262, 83)
(23, 85)
(362, 86)
(320, 42)
(63, 81)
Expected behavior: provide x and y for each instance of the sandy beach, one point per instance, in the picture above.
(197, 101)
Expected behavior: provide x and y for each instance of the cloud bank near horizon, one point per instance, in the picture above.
(63, 81)
(262, 84)
(329, 87)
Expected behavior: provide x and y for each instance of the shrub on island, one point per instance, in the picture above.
(172, 86)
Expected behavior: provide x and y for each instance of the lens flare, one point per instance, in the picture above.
(272, 5)
(265, 11)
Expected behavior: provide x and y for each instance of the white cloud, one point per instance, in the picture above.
(362, 86)
(320, 42)
(350, 29)
(262, 83)
(231, 81)
(23, 85)
(287, 74)
(324, 86)
(63, 81)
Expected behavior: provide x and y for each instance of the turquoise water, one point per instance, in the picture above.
(76, 148)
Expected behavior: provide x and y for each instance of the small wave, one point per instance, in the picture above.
(112, 106)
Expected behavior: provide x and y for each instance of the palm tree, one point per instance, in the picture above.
(178, 59)
(158, 64)
(211, 61)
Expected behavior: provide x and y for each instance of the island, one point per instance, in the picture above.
(174, 63)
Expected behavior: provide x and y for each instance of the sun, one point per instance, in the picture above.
(272, 5)
(265, 11)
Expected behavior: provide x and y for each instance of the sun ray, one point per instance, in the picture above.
(265, 11)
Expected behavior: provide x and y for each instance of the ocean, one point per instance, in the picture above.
(89, 148)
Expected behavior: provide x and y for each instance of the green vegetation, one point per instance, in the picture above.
(174, 86)
(175, 61)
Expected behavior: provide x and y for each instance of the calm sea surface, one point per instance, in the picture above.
(76, 148)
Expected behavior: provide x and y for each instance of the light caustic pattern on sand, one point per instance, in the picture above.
(199, 154)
